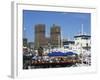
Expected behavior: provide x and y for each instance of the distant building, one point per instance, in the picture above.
(25, 45)
(25, 42)
(55, 36)
(30, 45)
(40, 39)
(68, 44)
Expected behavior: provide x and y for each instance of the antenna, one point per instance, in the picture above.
(82, 30)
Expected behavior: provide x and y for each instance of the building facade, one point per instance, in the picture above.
(82, 42)
(40, 39)
(55, 36)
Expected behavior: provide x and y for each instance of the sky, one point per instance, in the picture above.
(70, 23)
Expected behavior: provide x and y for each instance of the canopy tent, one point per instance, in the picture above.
(61, 54)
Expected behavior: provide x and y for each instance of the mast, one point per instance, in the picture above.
(82, 30)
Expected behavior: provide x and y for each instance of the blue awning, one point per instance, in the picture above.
(61, 54)
(70, 53)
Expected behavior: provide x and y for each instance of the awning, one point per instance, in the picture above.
(61, 54)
